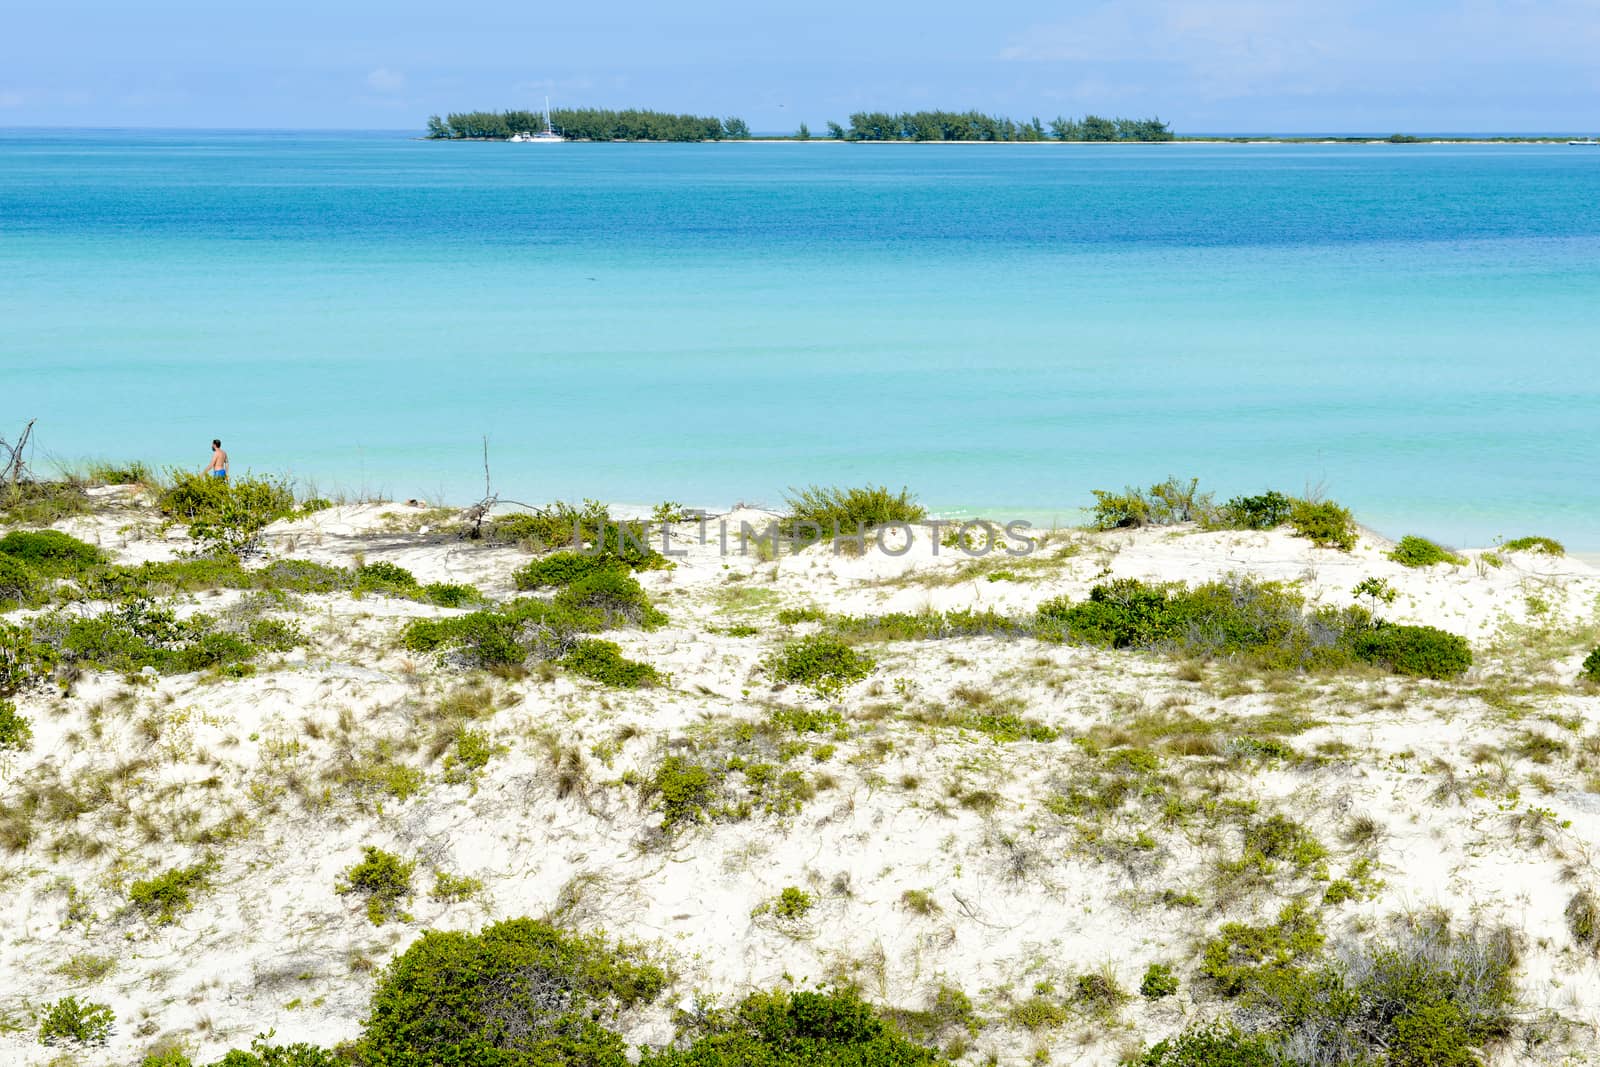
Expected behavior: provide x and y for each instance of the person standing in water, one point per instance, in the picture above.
(218, 467)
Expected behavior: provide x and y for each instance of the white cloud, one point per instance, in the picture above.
(386, 81)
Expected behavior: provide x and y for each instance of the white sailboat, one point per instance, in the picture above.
(548, 135)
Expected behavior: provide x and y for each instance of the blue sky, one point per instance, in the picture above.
(1226, 65)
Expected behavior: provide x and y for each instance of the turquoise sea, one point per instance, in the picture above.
(1000, 327)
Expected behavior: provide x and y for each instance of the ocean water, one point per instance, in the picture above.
(1002, 328)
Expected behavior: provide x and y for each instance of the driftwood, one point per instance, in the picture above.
(472, 518)
(14, 459)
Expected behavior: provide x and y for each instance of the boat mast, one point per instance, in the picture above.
(547, 127)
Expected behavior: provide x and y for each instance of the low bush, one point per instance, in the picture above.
(834, 510)
(801, 1029)
(1418, 651)
(81, 1022)
(615, 596)
(263, 1053)
(505, 635)
(127, 472)
(16, 733)
(1414, 551)
(560, 525)
(138, 634)
(1583, 919)
(226, 515)
(50, 552)
(163, 898)
(19, 584)
(1265, 511)
(1218, 1045)
(1543, 545)
(388, 578)
(1164, 504)
(821, 661)
(1241, 956)
(383, 878)
(451, 594)
(564, 568)
(683, 791)
(1158, 982)
(34, 503)
(1591, 666)
(603, 662)
(521, 993)
(25, 661)
(1324, 523)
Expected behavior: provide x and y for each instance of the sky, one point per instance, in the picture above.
(1219, 66)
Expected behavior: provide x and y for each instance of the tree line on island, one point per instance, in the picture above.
(600, 124)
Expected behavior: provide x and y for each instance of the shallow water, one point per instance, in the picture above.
(1002, 328)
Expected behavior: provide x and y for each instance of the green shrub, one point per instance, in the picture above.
(383, 878)
(305, 576)
(1413, 551)
(1324, 523)
(31, 503)
(451, 595)
(615, 596)
(129, 472)
(385, 577)
(793, 903)
(1545, 545)
(683, 791)
(820, 661)
(19, 585)
(264, 1054)
(603, 662)
(454, 887)
(1418, 651)
(802, 1029)
(1164, 504)
(50, 552)
(170, 1056)
(1240, 955)
(163, 898)
(1158, 982)
(1591, 666)
(1265, 511)
(520, 994)
(564, 568)
(1263, 622)
(24, 660)
(226, 515)
(16, 733)
(560, 525)
(1431, 998)
(832, 511)
(279, 635)
(137, 634)
(81, 1022)
(504, 635)
(1219, 1045)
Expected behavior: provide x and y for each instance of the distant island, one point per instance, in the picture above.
(598, 124)
(882, 127)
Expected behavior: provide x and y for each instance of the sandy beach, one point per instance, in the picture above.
(936, 854)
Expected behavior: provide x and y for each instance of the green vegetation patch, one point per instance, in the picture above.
(50, 552)
(73, 1021)
(521, 993)
(383, 878)
(822, 513)
(1324, 523)
(603, 662)
(1264, 623)
(163, 898)
(1414, 551)
(1591, 666)
(226, 515)
(800, 1029)
(19, 584)
(1547, 546)
(821, 661)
